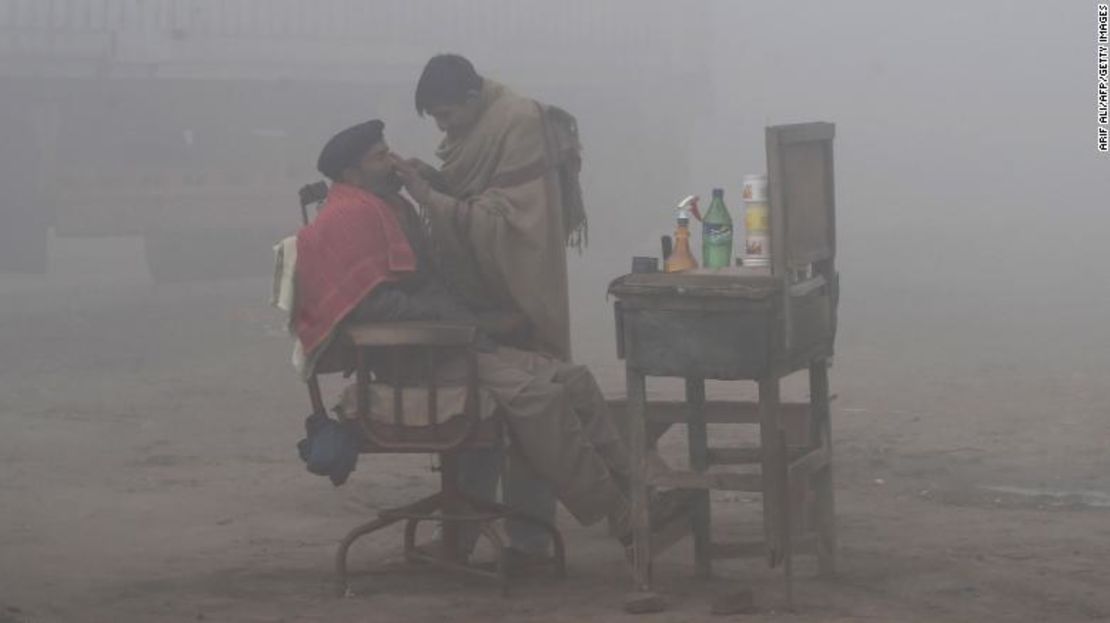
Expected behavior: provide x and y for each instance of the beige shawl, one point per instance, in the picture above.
(502, 232)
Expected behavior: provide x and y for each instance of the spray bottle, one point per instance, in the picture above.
(681, 258)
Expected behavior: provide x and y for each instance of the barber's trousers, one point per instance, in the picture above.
(559, 427)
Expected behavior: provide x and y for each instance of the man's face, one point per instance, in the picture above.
(455, 118)
(375, 171)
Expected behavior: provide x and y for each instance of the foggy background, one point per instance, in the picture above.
(967, 180)
(972, 214)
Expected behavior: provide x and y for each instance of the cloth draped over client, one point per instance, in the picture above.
(355, 262)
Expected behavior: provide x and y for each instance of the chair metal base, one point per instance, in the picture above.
(451, 509)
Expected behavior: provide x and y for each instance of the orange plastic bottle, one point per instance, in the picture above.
(681, 259)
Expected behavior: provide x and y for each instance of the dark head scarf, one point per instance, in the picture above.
(348, 147)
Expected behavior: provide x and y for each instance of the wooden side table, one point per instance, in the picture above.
(745, 324)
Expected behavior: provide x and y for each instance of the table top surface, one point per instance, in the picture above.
(733, 282)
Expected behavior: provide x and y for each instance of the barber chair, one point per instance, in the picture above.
(441, 429)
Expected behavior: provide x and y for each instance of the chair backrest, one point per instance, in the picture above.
(402, 349)
(802, 197)
(310, 194)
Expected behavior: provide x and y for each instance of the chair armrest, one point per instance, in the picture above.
(414, 333)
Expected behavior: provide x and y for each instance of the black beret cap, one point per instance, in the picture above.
(348, 147)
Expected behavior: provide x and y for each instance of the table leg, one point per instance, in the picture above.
(770, 467)
(452, 505)
(697, 436)
(787, 527)
(641, 530)
(821, 435)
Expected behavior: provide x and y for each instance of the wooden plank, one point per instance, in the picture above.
(800, 186)
(799, 168)
(806, 203)
(830, 193)
(776, 195)
(618, 318)
(715, 481)
(714, 411)
(740, 283)
(722, 344)
(680, 303)
(749, 455)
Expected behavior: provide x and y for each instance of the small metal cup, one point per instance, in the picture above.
(642, 264)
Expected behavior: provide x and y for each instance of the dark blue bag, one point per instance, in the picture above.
(330, 447)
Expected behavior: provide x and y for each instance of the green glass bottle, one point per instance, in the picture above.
(716, 234)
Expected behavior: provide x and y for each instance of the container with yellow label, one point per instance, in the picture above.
(757, 239)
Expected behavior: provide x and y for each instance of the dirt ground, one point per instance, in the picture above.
(148, 470)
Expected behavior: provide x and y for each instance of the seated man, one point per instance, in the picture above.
(364, 258)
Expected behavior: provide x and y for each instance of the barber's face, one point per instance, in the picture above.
(375, 171)
(455, 118)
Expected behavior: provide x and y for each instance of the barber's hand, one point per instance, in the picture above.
(418, 187)
(425, 170)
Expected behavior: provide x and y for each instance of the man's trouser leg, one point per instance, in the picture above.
(526, 492)
(479, 471)
(523, 490)
(547, 431)
(597, 420)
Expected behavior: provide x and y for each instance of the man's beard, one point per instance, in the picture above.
(389, 185)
